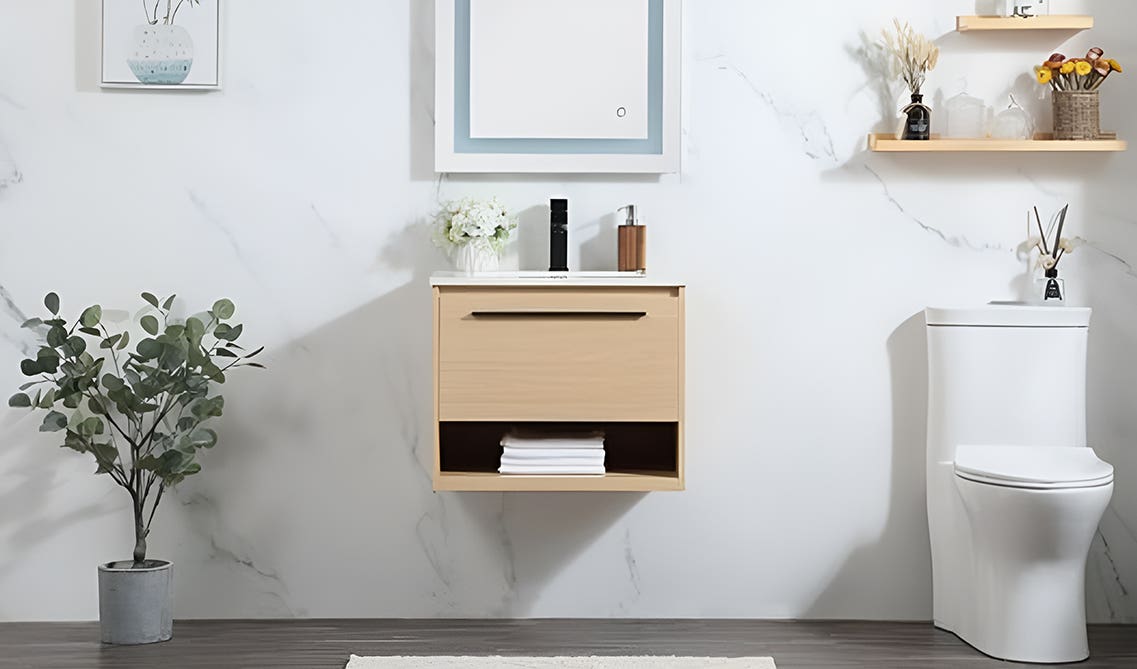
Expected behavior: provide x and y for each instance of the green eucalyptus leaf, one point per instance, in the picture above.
(169, 302)
(223, 309)
(254, 353)
(175, 331)
(195, 329)
(32, 322)
(112, 382)
(110, 341)
(51, 301)
(56, 336)
(71, 401)
(76, 345)
(30, 367)
(207, 408)
(150, 325)
(75, 442)
(149, 297)
(29, 384)
(47, 360)
(230, 333)
(105, 455)
(124, 341)
(225, 353)
(48, 399)
(149, 349)
(203, 438)
(96, 407)
(53, 422)
(254, 364)
(90, 331)
(20, 401)
(91, 316)
(191, 468)
(172, 357)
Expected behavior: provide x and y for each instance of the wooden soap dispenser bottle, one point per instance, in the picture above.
(632, 252)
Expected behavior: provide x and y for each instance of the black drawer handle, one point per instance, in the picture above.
(559, 313)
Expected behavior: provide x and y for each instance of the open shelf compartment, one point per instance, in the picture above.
(965, 24)
(639, 457)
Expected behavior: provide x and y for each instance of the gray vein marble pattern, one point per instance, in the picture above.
(302, 191)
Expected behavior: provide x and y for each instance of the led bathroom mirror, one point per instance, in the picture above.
(557, 85)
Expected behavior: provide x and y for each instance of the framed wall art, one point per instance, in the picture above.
(162, 44)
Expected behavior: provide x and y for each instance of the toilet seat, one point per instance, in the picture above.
(1033, 467)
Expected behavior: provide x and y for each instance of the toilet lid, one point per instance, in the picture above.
(1041, 467)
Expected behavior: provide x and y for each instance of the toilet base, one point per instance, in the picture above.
(1024, 598)
(991, 653)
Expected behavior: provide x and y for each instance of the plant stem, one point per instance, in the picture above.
(175, 15)
(153, 509)
(140, 532)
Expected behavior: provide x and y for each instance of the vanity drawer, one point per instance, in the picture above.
(567, 354)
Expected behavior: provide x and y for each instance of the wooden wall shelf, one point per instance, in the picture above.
(888, 143)
(569, 356)
(1051, 22)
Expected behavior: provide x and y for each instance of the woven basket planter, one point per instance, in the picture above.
(1077, 115)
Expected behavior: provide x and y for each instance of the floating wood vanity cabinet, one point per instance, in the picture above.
(557, 354)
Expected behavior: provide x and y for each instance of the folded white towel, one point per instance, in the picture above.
(514, 440)
(546, 453)
(552, 469)
(525, 433)
(553, 462)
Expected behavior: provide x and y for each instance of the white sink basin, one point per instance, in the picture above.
(552, 276)
(534, 278)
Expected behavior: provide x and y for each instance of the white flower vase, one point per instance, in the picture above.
(162, 55)
(475, 257)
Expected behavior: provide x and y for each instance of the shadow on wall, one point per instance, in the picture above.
(884, 565)
(1104, 275)
(319, 501)
(421, 97)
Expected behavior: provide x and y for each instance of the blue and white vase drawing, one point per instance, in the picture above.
(162, 54)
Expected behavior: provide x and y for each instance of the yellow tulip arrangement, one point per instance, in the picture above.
(1076, 74)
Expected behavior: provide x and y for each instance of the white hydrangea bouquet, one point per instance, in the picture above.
(475, 232)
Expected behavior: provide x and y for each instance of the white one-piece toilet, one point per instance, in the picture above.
(1014, 493)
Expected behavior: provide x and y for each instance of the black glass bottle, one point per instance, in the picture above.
(918, 125)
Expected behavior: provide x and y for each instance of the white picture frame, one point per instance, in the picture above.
(140, 50)
(455, 151)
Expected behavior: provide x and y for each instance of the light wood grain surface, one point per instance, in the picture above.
(559, 354)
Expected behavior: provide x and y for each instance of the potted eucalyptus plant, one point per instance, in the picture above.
(141, 414)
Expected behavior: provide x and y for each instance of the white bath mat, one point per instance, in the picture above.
(358, 662)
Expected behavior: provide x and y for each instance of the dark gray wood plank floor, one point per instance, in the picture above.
(319, 644)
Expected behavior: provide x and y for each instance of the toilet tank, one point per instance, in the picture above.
(1006, 375)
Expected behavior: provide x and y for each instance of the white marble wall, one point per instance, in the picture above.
(299, 190)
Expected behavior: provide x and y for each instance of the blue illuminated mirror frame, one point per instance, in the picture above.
(456, 151)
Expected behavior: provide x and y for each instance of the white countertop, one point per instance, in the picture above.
(544, 279)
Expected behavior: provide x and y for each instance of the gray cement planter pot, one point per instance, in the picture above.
(135, 605)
